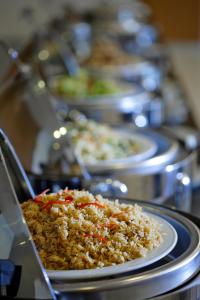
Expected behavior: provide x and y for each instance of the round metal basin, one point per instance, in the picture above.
(160, 277)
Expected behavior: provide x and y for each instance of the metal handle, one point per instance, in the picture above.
(79, 165)
(68, 59)
(183, 191)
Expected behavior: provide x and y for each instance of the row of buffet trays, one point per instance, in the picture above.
(132, 90)
(104, 112)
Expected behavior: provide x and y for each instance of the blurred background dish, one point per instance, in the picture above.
(85, 85)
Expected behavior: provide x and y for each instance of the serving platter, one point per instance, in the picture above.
(125, 87)
(130, 96)
(146, 148)
(169, 236)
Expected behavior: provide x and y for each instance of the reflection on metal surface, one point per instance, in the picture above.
(56, 146)
(41, 84)
(43, 54)
(63, 130)
(141, 121)
(22, 252)
(108, 187)
(57, 134)
(183, 192)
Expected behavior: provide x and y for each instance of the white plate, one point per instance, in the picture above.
(169, 241)
(146, 149)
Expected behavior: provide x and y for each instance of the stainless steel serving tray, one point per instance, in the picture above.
(167, 174)
(136, 105)
(171, 272)
(166, 153)
(168, 273)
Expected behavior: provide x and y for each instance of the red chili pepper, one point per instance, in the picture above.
(112, 226)
(69, 198)
(101, 238)
(82, 205)
(117, 214)
(50, 203)
(37, 198)
(108, 225)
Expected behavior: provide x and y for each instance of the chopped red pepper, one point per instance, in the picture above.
(69, 198)
(112, 225)
(108, 225)
(117, 214)
(37, 198)
(82, 205)
(101, 238)
(50, 203)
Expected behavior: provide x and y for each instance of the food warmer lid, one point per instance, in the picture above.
(22, 275)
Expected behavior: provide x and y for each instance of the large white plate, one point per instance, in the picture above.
(169, 241)
(146, 149)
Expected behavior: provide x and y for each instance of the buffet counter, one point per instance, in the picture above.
(99, 170)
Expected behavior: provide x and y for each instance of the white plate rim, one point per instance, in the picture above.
(170, 238)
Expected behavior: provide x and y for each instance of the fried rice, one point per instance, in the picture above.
(76, 230)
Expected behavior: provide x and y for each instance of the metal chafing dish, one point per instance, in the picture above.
(136, 106)
(149, 80)
(53, 56)
(155, 280)
(173, 277)
(144, 110)
(149, 72)
(167, 175)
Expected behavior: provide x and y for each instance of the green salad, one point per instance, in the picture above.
(83, 84)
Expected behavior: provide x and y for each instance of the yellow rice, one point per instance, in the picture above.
(88, 231)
